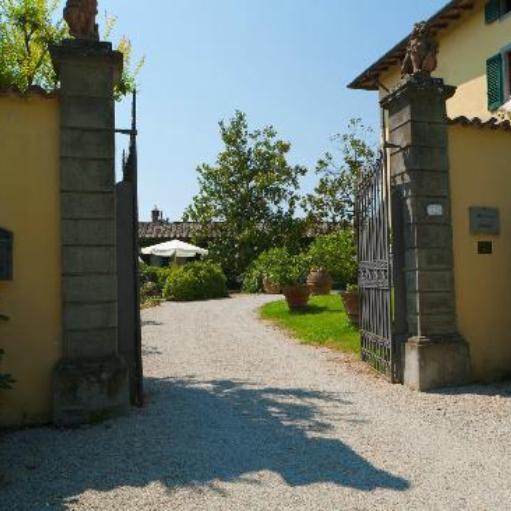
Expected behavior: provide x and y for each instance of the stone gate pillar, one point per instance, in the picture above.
(435, 355)
(91, 380)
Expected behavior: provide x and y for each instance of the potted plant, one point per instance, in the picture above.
(290, 273)
(259, 275)
(320, 281)
(270, 261)
(332, 255)
(270, 288)
(351, 301)
(322, 258)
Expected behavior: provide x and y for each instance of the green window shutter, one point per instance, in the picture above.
(492, 11)
(495, 76)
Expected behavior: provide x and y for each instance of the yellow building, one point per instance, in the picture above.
(474, 38)
(475, 56)
(30, 298)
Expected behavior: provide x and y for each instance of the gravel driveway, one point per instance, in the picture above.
(240, 417)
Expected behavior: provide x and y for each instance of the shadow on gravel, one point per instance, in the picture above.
(149, 351)
(151, 323)
(308, 310)
(192, 433)
(502, 389)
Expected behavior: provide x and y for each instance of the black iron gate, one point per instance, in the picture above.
(130, 342)
(375, 270)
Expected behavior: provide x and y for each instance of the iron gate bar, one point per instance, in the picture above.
(375, 269)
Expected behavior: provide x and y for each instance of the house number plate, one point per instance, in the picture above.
(435, 210)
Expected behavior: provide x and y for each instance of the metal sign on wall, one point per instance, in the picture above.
(484, 221)
(5, 255)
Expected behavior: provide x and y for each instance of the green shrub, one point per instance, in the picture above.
(149, 290)
(200, 280)
(156, 275)
(162, 274)
(335, 253)
(253, 278)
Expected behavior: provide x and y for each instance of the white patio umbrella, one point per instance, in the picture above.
(174, 248)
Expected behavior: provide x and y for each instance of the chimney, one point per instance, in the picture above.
(156, 215)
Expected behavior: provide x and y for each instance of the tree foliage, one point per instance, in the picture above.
(249, 196)
(333, 199)
(27, 29)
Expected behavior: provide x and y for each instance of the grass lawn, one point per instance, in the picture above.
(324, 323)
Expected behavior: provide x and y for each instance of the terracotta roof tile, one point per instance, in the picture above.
(493, 123)
(184, 231)
(34, 90)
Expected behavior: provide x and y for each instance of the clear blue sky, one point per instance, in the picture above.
(283, 62)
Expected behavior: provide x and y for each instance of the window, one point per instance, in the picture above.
(5, 255)
(495, 78)
(495, 9)
(498, 72)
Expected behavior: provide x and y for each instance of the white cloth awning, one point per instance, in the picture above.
(174, 248)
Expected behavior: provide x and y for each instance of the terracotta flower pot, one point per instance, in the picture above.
(297, 296)
(270, 288)
(351, 304)
(320, 282)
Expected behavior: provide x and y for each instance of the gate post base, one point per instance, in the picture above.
(89, 390)
(432, 364)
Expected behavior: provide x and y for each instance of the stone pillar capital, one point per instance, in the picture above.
(92, 54)
(418, 87)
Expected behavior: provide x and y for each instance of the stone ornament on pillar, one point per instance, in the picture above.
(80, 15)
(421, 52)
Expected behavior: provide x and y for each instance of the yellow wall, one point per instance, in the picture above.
(481, 176)
(464, 49)
(29, 206)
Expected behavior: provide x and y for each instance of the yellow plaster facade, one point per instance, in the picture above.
(483, 282)
(465, 46)
(29, 207)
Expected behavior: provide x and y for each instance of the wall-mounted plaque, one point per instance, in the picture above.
(5, 255)
(484, 221)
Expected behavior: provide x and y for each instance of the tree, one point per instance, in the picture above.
(27, 28)
(333, 199)
(249, 196)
